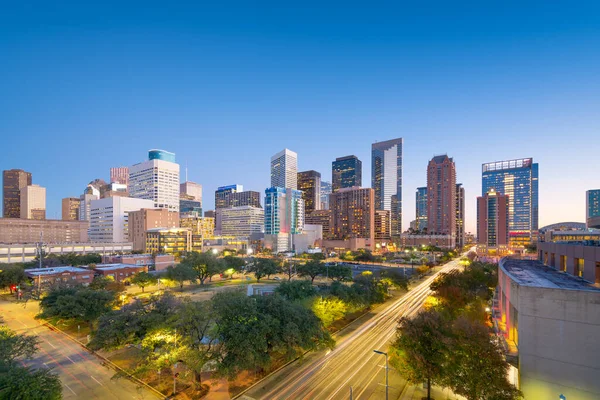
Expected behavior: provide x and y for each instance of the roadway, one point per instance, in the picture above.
(331, 374)
(81, 373)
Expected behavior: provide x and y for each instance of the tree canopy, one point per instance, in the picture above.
(143, 279)
(181, 273)
(262, 267)
(311, 269)
(206, 265)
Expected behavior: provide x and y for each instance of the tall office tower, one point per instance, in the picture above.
(386, 180)
(320, 217)
(284, 217)
(242, 221)
(460, 215)
(192, 189)
(113, 189)
(441, 196)
(421, 216)
(120, 175)
(70, 208)
(188, 207)
(309, 182)
(353, 213)
(140, 221)
(383, 225)
(325, 192)
(222, 195)
(247, 198)
(592, 206)
(346, 172)
(109, 218)
(518, 179)
(492, 220)
(33, 202)
(13, 180)
(284, 170)
(156, 179)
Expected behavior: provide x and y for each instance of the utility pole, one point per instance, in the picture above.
(386, 371)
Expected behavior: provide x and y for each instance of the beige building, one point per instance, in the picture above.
(353, 213)
(33, 202)
(70, 208)
(383, 225)
(577, 259)
(204, 226)
(17, 230)
(142, 220)
(320, 217)
(441, 241)
(242, 221)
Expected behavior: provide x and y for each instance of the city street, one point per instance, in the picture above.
(330, 375)
(82, 374)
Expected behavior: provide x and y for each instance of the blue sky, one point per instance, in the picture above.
(86, 87)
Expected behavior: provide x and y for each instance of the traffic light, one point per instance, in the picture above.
(13, 287)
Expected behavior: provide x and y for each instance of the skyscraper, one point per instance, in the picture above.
(222, 195)
(284, 170)
(13, 180)
(309, 182)
(70, 208)
(156, 179)
(383, 228)
(119, 175)
(242, 221)
(353, 214)
(592, 206)
(386, 179)
(460, 215)
(492, 221)
(284, 217)
(192, 189)
(109, 218)
(325, 192)
(518, 179)
(421, 215)
(346, 172)
(33, 202)
(441, 196)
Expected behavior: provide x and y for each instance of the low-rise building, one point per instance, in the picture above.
(149, 218)
(220, 243)
(441, 241)
(44, 277)
(119, 272)
(17, 230)
(174, 241)
(580, 259)
(26, 252)
(158, 262)
(203, 226)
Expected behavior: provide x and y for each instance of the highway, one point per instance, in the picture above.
(329, 375)
(82, 374)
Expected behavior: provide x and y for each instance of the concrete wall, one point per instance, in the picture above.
(549, 254)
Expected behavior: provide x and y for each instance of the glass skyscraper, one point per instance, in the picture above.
(346, 172)
(593, 208)
(518, 179)
(421, 202)
(386, 179)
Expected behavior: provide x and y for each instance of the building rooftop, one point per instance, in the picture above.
(110, 267)
(54, 270)
(535, 274)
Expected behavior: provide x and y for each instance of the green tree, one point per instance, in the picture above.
(205, 264)
(263, 267)
(318, 256)
(288, 268)
(311, 269)
(107, 283)
(76, 303)
(236, 264)
(373, 290)
(329, 309)
(420, 349)
(21, 383)
(12, 275)
(340, 273)
(143, 279)
(396, 277)
(181, 273)
(296, 290)
(13, 346)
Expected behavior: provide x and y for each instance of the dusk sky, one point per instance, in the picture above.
(84, 88)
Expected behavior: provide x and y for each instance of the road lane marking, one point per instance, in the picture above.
(69, 358)
(53, 346)
(67, 386)
(99, 383)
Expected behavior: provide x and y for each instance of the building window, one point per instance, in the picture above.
(578, 267)
(563, 263)
(597, 273)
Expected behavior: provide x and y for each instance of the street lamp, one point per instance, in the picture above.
(249, 252)
(386, 371)
(215, 251)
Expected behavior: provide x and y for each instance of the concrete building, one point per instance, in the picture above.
(46, 277)
(113, 189)
(284, 217)
(310, 238)
(33, 202)
(174, 241)
(441, 196)
(492, 224)
(109, 218)
(156, 179)
(551, 323)
(580, 259)
(383, 226)
(191, 189)
(326, 189)
(70, 208)
(26, 252)
(592, 207)
(421, 209)
(309, 182)
(120, 175)
(220, 243)
(13, 180)
(346, 172)
(140, 221)
(518, 179)
(203, 226)
(209, 214)
(189, 207)
(222, 195)
(441, 241)
(242, 221)
(353, 214)
(85, 201)
(320, 217)
(284, 170)
(119, 272)
(386, 180)
(157, 262)
(460, 215)
(16, 230)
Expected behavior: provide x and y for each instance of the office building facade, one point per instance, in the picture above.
(174, 241)
(242, 221)
(353, 214)
(222, 195)
(120, 175)
(156, 179)
(109, 218)
(140, 221)
(460, 215)
(309, 182)
(192, 189)
(592, 207)
(17, 230)
(386, 179)
(518, 179)
(284, 217)
(33, 202)
(492, 223)
(441, 196)
(203, 226)
(320, 217)
(325, 192)
(13, 180)
(346, 172)
(421, 209)
(284, 170)
(383, 225)
(70, 208)
(189, 207)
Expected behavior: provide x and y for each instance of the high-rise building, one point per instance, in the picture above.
(33, 202)
(120, 175)
(109, 218)
(421, 203)
(85, 201)
(383, 225)
(13, 180)
(592, 206)
(156, 179)
(353, 213)
(284, 170)
(113, 189)
(189, 207)
(309, 182)
(460, 215)
(320, 217)
(222, 195)
(518, 179)
(203, 226)
(284, 217)
(386, 179)
(242, 221)
(70, 208)
(233, 196)
(142, 220)
(346, 172)
(492, 222)
(441, 196)
(209, 214)
(192, 189)
(325, 192)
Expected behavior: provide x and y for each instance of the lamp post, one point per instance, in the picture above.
(386, 371)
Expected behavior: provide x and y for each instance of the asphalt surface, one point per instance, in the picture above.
(81, 373)
(352, 364)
